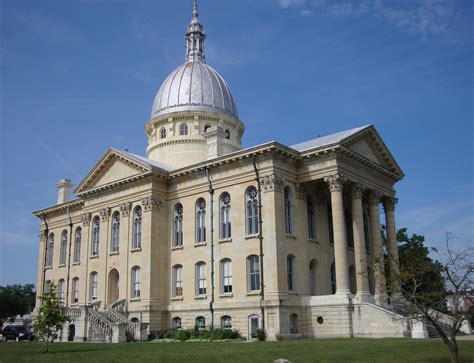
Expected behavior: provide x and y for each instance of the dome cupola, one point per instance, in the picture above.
(193, 102)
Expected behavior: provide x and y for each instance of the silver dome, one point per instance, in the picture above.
(194, 86)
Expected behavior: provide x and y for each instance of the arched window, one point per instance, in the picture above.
(177, 323)
(313, 278)
(226, 276)
(50, 250)
(135, 282)
(352, 279)
(366, 233)
(226, 230)
(251, 201)
(114, 247)
(226, 322)
(177, 280)
(294, 324)
(63, 249)
(178, 225)
(137, 228)
(290, 271)
(227, 134)
(77, 245)
(200, 278)
(95, 236)
(288, 210)
(93, 286)
(201, 322)
(349, 234)
(310, 212)
(330, 225)
(61, 293)
(200, 220)
(207, 127)
(183, 129)
(333, 278)
(253, 273)
(162, 133)
(75, 290)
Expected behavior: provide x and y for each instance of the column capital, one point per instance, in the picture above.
(389, 204)
(104, 214)
(41, 235)
(356, 190)
(300, 192)
(150, 203)
(374, 198)
(86, 218)
(336, 182)
(272, 182)
(125, 209)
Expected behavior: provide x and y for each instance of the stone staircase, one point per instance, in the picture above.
(108, 323)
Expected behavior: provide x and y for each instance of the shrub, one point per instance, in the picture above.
(261, 335)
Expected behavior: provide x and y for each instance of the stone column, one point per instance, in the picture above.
(377, 253)
(389, 207)
(360, 255)
(336, 182)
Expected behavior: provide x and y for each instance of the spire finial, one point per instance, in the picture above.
(195, 12)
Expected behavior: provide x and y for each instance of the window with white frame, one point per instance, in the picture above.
(294, 324)
(63, 248)
(177, 323)
(114, 247)
(253, 273)
(226, 322)
(251, 202)
(200, 220)
(77, 245)
(135, 282)
(177, 280)
(95, 236)
(288, 210)
(50, 250)
(200, 278)
(290, 269)
(183, 129)
(226, 276)
(61, 293)
(93, 286)
(137, 228)
(162, 133)
(310, 212)
(226, 226)
(201, 322)
(75, 290)
(178, 225)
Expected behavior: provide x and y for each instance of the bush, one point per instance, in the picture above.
(195, 334)
(261, 335)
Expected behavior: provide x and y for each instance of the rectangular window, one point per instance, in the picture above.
(253, 273)
(226, 276)
(200, 279)
(177, 281)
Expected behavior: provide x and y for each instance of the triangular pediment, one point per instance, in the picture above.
(112, 168)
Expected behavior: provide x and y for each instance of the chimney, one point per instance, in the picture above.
(64, 190)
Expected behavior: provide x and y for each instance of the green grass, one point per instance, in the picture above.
(338, 350)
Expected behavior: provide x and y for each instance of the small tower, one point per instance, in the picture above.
(64, 190)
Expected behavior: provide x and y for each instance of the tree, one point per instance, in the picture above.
(427, 283)
(50, 318)
(16, 299)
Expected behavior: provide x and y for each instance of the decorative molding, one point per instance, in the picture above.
(41, 236)
(357, 190)
(104, 214)
(374, 198)
(336, 182)
(274, 182)
(389, 204)
(150, 203)
(300, 191)
(125, 209)
(86, 218)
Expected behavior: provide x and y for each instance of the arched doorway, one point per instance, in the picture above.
(113, 290)
(313, 278)
(71, 333)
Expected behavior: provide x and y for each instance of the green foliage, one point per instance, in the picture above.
(16, 299)
(50, 318)
(261, 335)
(196, 334)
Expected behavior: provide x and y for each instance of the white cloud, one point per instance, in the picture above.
(291, 3)
(306, 12)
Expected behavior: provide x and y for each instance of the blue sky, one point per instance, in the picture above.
(80, 76)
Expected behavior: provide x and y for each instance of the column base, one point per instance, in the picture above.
(364, 297)
(343, 292)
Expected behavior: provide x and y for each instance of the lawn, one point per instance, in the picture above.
(339, 350)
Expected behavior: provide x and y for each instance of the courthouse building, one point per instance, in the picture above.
(200, 232)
